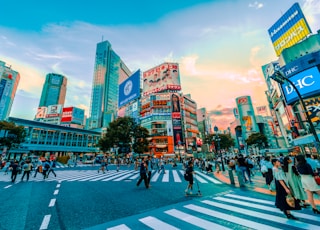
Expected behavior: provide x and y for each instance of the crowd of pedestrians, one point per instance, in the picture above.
(286, 175)
(27, 167)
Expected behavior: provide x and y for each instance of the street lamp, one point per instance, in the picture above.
(280, 78)
(218, 149)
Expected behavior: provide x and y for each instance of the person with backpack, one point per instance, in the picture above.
(45, 168)
(143, 174)
(188, 176)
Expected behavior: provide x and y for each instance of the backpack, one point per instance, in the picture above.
(46, 166)
(25, 166)
(186, 176)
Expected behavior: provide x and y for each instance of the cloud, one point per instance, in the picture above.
(256, 5)
(220, 52)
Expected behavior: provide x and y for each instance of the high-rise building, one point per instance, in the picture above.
(54, 90)
(109, 72)
(9, 80)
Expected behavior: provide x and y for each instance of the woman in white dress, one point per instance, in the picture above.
(308, 182)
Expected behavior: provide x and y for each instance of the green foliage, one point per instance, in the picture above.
(257, 139)
(226, 141)
(13, 135)
(121, 133)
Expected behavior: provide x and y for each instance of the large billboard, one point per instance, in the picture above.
(176, 120)
(67, 114)
(72, 115)
(129, 89)
(307, 82)
(54, 111)
(160, 78)
(291, 28)
(42, 112)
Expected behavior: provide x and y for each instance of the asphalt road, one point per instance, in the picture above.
(82, 198)
(82, 204)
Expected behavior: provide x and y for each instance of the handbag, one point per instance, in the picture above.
(292, 202)
(317, 179)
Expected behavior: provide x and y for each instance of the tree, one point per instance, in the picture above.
(257, 139)
(226, 141)
(121, 133)
(11, 135)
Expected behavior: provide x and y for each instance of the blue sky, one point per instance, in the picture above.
(219, 45)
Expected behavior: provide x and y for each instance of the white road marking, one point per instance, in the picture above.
(154, 223)
(45, 222)
(52, 202)
(56, 192)
(119, 227)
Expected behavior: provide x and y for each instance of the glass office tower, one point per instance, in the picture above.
(54, 90)
(109, 72)
(9, 80)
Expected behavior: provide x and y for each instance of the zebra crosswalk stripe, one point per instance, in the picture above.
(119, 227)
(236, 220)
(260, 215)
(195, 220)
(227, 211)
(154, 223)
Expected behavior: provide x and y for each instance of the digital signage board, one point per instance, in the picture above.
(291, 28)
(129, 90)
(160, 78)
(307, 82)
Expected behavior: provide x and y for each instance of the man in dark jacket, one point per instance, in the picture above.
(143, 174)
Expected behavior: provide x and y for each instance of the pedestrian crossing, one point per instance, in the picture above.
(175, 176)
(227, 211)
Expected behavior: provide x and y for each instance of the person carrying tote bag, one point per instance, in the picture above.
(282, 191)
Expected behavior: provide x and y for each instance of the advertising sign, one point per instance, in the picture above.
(291, 28)
(262, 110)
(163, 77)
(77, 116)
(307, 82)
(129, 89)
(54, 111)
(176, 119)
(67, 114)
(313, 107)
(42, 112)
(247, 121)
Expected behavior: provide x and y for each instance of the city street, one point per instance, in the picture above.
(82, 198)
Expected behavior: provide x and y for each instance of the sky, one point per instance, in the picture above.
(220, 45)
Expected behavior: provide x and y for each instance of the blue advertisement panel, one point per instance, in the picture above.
(291, 28)
(129, 90)
(307, 82)
(77, 116)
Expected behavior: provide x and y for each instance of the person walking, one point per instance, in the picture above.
(14, 167)
(38, 168)
(269, 173)
(282, 189)
(294, 180)
(308, 182)
(143, 174)
(27, 166)
(149, 167)
(52, 165)
(102, 166)
(189, 173)
(45, 168)
(242, 169)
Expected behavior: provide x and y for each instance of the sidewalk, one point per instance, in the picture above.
(258, 183)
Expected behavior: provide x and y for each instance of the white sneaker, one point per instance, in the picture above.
(186, 190)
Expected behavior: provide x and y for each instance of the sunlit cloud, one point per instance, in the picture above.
(256, 5)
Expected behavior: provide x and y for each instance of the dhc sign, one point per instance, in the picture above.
(307, 82)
